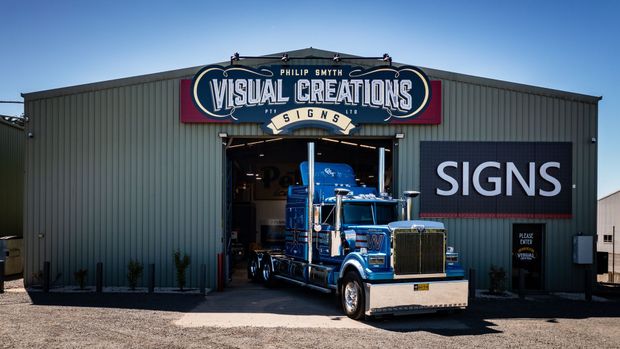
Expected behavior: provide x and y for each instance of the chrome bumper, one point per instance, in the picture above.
(403, 298)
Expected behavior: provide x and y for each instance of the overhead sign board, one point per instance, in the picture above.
(283, 98)
(496, 179)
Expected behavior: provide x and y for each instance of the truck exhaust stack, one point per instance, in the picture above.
(381, 174)
(409, 195)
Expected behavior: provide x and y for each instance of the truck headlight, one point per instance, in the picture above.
(376, 260)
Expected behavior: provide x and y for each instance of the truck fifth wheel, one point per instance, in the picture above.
(363, 245)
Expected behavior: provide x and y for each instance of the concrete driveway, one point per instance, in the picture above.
(288, 306)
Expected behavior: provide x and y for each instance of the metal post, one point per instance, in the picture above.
(381, 174)
(310, 201)
(588, 285)
(1, 275)
(46, 276)
(521, 283)
(472, 283)
(99, 278)
(203, 279)
(613, 255)
(152, 278)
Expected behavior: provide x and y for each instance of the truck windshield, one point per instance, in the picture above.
(386, 213)
(358, 213)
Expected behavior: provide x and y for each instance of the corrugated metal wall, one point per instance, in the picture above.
(11, 179)
(113, 175)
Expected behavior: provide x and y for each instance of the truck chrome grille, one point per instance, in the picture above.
(418, 252)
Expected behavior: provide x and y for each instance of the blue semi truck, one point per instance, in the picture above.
(362, 244)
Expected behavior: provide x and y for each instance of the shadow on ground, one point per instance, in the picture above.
(158, 302)
(252, 304)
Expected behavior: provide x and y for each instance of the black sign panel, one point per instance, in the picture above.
(527, 254)
(496, 179)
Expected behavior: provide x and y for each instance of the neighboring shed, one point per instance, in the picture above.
(11, 176)
(608, 230)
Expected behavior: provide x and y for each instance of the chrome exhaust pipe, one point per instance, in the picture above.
(409, 195)
(310, 200)
(381, 174)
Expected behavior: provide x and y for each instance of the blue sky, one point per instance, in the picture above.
(567, 45)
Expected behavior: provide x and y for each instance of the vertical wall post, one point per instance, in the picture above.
(46, 276)
(99, 278)
(152, 278)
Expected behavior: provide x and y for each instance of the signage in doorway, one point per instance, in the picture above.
(528, 254)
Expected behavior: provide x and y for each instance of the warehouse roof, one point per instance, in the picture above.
(12, 121)
(309, 53)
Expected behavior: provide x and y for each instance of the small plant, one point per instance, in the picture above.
(80, 277)
(134, 272)
(497, 275)
(181, 263)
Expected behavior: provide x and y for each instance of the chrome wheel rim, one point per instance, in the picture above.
(253, 268)
(351, 297)
(266, 272)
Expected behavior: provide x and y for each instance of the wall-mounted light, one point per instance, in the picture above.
(223, 135)
(337, 58)
(284, 57)
(30, 135)
(399, 135)
(593, 140)
(387, 58)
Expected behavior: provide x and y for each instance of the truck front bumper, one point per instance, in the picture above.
(415, 297)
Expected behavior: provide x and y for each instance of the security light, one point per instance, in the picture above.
(400, 135)
(223, 135)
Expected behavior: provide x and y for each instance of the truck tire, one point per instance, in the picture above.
(266, 271)
(253, 267)
(352, 296)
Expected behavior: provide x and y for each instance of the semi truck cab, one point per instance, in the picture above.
(363, 245)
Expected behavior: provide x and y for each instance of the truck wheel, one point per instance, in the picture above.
(253, 267)
(266, 271)
(352, 296)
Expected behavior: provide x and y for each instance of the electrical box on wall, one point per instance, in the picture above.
(582, 249)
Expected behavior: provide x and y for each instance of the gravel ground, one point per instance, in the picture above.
(39, 320)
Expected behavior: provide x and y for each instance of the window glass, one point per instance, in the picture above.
(357, 213)
(327, 214)
(386, 213)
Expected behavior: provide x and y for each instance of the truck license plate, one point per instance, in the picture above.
(420, 287)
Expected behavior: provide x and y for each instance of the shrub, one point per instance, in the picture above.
(80, 277)
(181, 263)
(497, 276)
(134, 272)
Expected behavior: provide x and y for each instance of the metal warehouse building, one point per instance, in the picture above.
(128, 169)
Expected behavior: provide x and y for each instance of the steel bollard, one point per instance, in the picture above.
(588, 284)
(46, 276)
(1, 275)
(472, 283)
(99, 278)
(152, 278)
(203, 279)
